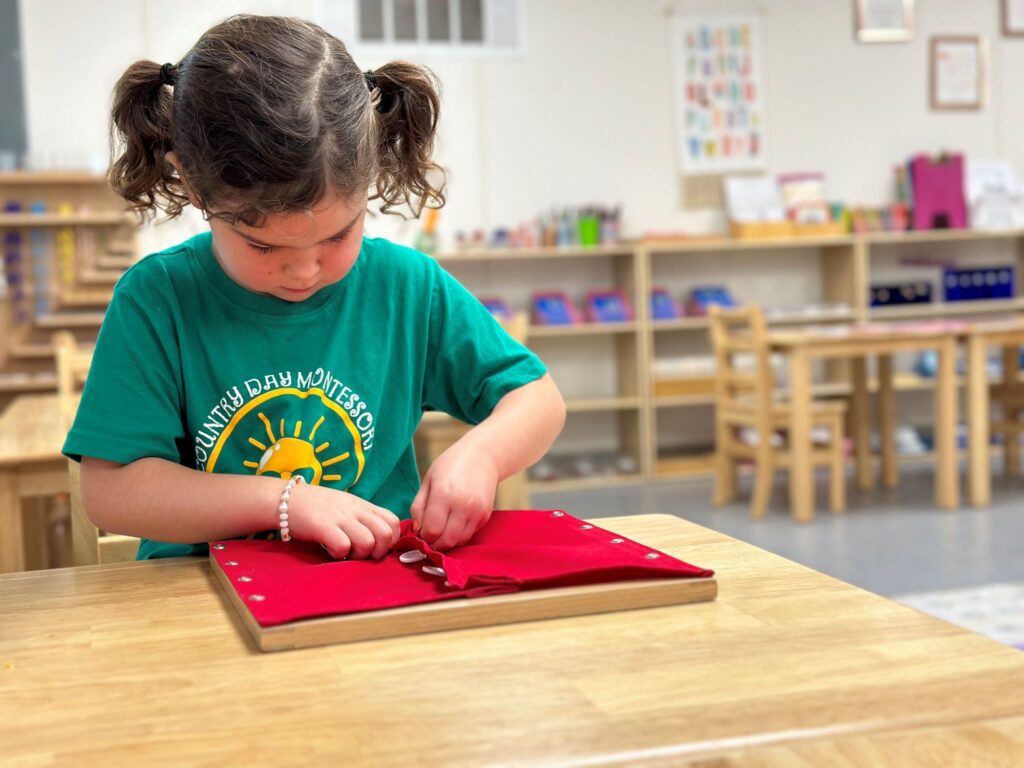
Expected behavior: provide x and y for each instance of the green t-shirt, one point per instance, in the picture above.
(193, 368)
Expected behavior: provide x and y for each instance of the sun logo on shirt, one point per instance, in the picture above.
(286, 455)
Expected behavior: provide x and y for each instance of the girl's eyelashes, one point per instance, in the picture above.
(269, 248)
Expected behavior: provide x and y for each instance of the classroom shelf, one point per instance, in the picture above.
(70, 320)
(54, 178)
(104, 234)
(952, 309)
(594, 404)
(33, 220)
(702, 245)
(580, 329)
(85, 298)
(94, 277)
(40, 382)
(701, 323)
(112, 261)
(939, 236)
(532, 254)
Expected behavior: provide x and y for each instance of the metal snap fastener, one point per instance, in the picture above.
(433, 570)
(617, 541)
(257, 598)
(412, 556)
(586, 527)
(218, 546)
(558, 513)
(651, 555)
(246, 579)
(231, 562)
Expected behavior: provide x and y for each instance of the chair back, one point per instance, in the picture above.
(72, 370)
(743, 380)
(88, 545)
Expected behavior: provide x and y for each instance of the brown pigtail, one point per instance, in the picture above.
(141, 129)
(407, 107)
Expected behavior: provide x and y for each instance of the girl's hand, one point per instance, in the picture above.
(344, 524)
(456, 497)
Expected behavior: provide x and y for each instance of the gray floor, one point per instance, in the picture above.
(888, 542)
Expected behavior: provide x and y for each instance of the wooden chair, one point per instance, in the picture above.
(745, 399)
(89, 545)
(438, 431)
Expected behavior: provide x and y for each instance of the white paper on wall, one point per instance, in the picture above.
(719, 92)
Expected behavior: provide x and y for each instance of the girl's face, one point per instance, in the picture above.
(293, 255)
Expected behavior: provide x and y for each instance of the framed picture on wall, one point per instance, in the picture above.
(884, 21)
(1013, 18)
(956, 72)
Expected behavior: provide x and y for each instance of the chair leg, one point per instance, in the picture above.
(725, 468)
(1012, 439)
(764, 475)
(837, 480)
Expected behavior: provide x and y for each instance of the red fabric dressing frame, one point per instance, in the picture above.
(516, 550)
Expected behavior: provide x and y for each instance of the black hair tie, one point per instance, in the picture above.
(165, 74)
(371, 79)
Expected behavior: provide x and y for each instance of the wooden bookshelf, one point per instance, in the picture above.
(104, 241)
(844, 266)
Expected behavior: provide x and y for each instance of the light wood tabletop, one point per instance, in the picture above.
(32, 433)
(146, 663)
(857, 342)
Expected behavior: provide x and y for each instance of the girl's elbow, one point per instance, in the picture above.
(97, 502)
(558, 408)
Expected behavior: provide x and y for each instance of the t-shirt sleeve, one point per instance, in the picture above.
(471, 361)
(131, 407)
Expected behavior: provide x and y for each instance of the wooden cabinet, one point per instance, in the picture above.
(608, 372)
(66, 242)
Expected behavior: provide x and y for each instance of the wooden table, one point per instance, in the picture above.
(856, 343)
(1007, 333)
(146, 663)
(31, 436)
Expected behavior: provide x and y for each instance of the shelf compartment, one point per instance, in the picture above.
(701, 323)
(581, 329)
(593, 404)
(38, 382)
(944, 309)
(528, 254)
(70, 320)
(33, 220)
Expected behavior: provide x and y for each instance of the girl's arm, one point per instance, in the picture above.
(457, 493)
(160, 500)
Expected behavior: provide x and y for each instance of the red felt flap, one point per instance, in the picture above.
(516, 550)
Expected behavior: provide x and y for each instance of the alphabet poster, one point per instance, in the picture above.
(719, 92)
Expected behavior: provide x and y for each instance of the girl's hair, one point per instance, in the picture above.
(268, 114)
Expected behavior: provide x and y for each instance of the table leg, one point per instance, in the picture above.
(887, 422)
(979, 468)
(1011, 414)
(801, 477)
(860, 427)
(947, 477)
(12, 553)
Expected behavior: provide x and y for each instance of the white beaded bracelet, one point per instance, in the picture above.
(282, 508)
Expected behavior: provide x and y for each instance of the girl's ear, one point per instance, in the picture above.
(193, 198)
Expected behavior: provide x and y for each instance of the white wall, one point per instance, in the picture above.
(587, 114)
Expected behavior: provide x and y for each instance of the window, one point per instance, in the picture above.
(426, 26)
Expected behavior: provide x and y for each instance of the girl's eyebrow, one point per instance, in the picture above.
(336, 235)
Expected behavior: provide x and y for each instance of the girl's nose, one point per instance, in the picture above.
(302, 267)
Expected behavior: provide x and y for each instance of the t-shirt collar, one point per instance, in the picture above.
(201, 247)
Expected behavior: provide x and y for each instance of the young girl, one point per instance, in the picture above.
(269, 374)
